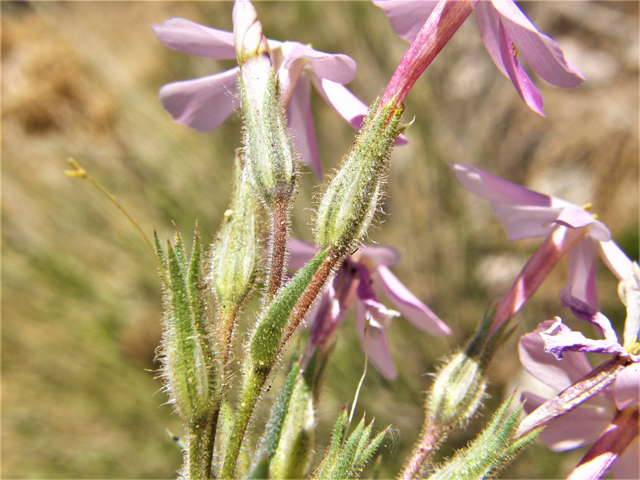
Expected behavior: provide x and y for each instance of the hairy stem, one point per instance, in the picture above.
(277, 248)
(430, 437)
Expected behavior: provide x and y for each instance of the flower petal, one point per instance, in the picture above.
(525, 222)
(560, 339)
(498, 190)
(587, 313)
(545, 367)
(488, 22)
(343, 101)
(582, 272)
(626, 389)
(383, 255)
(377, 347)
(617, 261)
(335, 67)
(543, 54)
(408, 304)
(301, 125)
(573, 216)
(629, 292)
(573, 430)
(406, 16)
(524, 86)
(204, 103)
(300, 252)
(194, 39)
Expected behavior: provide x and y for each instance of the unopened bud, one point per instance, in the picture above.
(351, 199)
(272, 159)
(235, 251)
(248, 38)
(191, 372)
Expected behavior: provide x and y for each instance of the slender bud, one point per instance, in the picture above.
(234, 256)
(272, 159)
(248, 38)
(352, 198)
(234, 253)
(190, 370)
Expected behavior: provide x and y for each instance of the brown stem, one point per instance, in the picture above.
(573, 396)
(312, 292)
(277, 248)
(430, 437)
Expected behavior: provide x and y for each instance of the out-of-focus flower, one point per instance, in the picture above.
(555, 355)
(586, 424)
(362, 277)
(506, 33)
(526, 214)
(204, 103)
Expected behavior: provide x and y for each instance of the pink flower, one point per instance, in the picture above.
(507, 34)
(204, 103)
(525, 214)
(594, 421)
(360, 280)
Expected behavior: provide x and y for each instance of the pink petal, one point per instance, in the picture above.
(300, 253)
(406, 302)
(627, 467)
(543, 54)
(301, 124)
(573, 216)
(204, 103)
(194, 39)
(387, 256)
(524, 86)
(560, 339)
(343, 101)
(488, 24)
(545, 367)
(376, 344)
(406, 16)
(626, 389)
(498, 190)
(337, 68)
(588, 313)
(580, 427)
(525, 222)
(617, 261)
(582, 272)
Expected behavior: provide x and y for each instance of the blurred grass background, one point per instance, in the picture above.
(81, 304)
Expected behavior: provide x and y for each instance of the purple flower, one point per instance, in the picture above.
(506, 33)
(204, 103)
(525, 214)
(614, 410)
(361, 278)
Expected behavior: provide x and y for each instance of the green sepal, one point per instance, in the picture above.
(335, 443)
(190, 368)
(352, 197)
(297, 438)
(266, 337)
(494, 448)
(269, 441)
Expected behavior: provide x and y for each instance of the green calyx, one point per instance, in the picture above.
(190, 367)
(352, 198)
(268, 147)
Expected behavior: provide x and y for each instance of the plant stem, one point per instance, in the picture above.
(430, 437)
(201, 438)
(277, 248)
(256, 374)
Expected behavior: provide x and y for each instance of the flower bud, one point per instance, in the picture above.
(190, 370)
(351, 199)
(234, 253)
(268, 147)
(248, 38)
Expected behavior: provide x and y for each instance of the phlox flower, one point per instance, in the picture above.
(360, 280)
(204, 103)
(507, 34)
(555, 355)
(526, 214)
